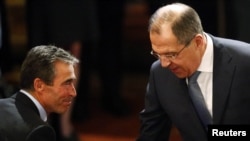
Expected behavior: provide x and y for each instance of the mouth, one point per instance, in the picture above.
(174, 70)
(177, 71)
(67, 101)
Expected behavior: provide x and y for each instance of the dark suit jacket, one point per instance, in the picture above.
(168, 103)
(20, 121)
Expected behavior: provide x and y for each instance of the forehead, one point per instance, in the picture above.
(63, 68)
(165, 38)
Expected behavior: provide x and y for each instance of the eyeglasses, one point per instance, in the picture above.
(170, 55)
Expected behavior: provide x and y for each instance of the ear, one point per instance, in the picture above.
(199, 40)
(38, 84)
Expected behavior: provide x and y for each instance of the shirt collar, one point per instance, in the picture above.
(40, 108)
(207, 59)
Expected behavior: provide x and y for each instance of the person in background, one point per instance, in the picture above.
(47, 85)
(110, 61)
(106, 55)
(182, 48)
(6, 57)
(5, 51)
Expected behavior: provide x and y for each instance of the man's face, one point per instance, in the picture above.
(58, 97)
(187, 57)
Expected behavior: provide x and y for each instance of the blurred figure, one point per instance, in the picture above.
(108, 51)
(5, 51)
(110, 55)
(47, 86)
(6, 60)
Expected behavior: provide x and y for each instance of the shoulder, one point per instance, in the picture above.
(156, 64)
(234, 48)
(157, 68)
(229, 43)
(157, 72)
(7, 105)
(42, 133)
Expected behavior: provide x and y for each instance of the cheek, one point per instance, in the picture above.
(185, 66)
(191, 64)
(52, 96)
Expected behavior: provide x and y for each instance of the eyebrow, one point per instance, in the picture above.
(69, 80)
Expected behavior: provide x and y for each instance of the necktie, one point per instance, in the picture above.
(198, 99)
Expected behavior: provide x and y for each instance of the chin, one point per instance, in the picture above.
(180, 75)
(61, 111)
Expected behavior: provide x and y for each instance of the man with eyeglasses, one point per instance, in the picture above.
(182, 48)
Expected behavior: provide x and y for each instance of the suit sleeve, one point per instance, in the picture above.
(42, 133)
(2, 137)
(155, 123)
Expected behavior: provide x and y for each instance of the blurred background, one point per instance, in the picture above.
(225, 18)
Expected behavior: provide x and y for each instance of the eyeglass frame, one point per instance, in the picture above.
(170, 55)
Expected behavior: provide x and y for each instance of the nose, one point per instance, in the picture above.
(165, 62)
(73, 91)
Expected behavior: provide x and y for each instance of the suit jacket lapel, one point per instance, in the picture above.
(27, 109)
(178, 92)
(222, 79)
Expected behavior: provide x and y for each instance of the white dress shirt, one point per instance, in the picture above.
(205, 79)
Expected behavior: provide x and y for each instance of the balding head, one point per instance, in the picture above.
(183, 20)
